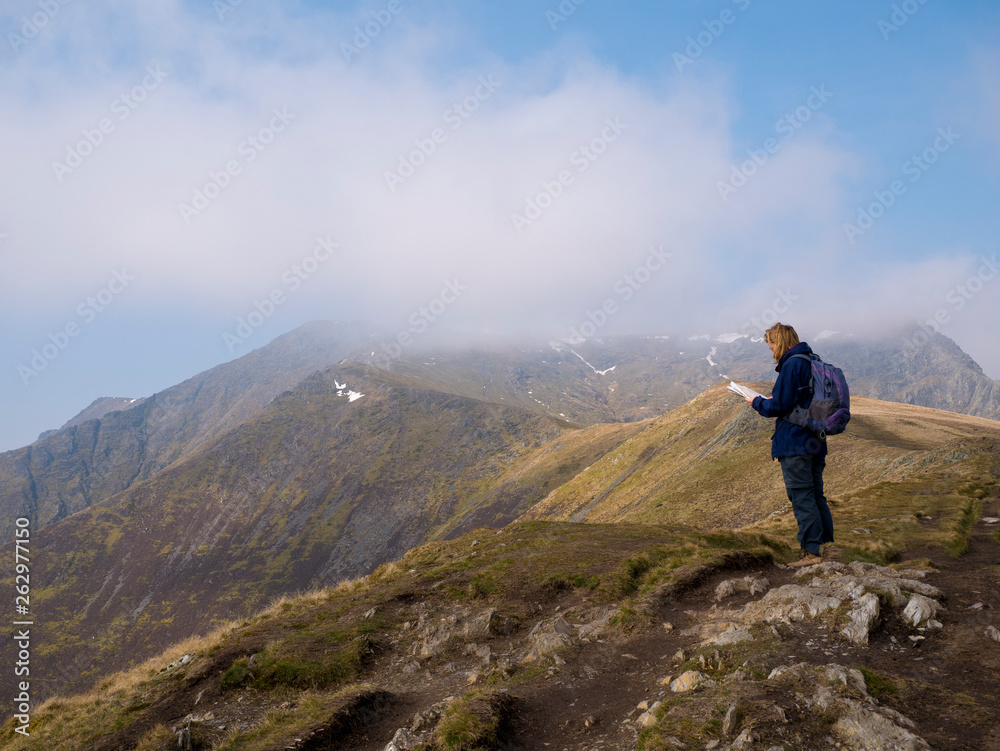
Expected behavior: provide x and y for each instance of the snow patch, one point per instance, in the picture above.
(350, 394)
(729, 338)
(599, 372)
(825, 334)
(709, 358)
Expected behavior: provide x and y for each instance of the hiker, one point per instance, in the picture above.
(801, 452)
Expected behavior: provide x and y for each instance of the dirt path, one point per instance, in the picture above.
(948, 683)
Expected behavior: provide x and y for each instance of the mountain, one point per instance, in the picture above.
(355, 466)
(585, 635)
(352, 467)
(100, 453)
(624, 379)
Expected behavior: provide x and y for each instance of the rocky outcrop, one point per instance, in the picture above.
(861, 723)
(851, 596)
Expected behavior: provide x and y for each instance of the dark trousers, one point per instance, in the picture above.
(804, 485)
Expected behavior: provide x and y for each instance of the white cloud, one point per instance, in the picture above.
(324, 173)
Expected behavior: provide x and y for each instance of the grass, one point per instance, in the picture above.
(958, 544)
(878, 686)
(472, 722)
(305, 712)
(284, 665)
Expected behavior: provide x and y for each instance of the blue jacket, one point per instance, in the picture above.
(791, 388)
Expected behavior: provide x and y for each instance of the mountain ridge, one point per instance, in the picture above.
(320, 488)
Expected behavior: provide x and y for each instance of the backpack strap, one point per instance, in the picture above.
(810, 358)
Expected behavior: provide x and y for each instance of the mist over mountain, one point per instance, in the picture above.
(116, 443)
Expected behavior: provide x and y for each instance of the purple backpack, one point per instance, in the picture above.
(830, 408)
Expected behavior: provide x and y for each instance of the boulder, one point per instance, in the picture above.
(752, 585)
(863, 618)
(648, 718)
(920, 609)
(688, 681)
(403, 740)
(546, 644)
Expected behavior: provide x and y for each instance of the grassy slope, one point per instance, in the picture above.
(315, 490)
(316, 638)
(708, 462)
(906, 479)
(259, 514)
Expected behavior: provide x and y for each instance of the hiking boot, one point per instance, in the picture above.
(809, 559)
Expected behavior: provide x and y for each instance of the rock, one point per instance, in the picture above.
(863, 728)
(688, 681)
(544, 645)
(557, 625)
(863, 618)
(597, 622)
(590, 721)
(403, 740)
(847, 677)
(993, 633)
(642, 706)
(864, 587)
(411, 667)
(486, 624)
(484, 653)
(920, 609)
(369, 614)
(744, 740)
(730, 721)
(648, 718)
(180, 662)
(679, 656)
(435, 637)
(754, 585)
(860, 724)
(665, 681)
(425, 719)
(991, 520)
(668, 627)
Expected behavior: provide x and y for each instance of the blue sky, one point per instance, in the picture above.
(354, 174)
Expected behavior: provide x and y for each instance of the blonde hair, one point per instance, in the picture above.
(783, 336)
